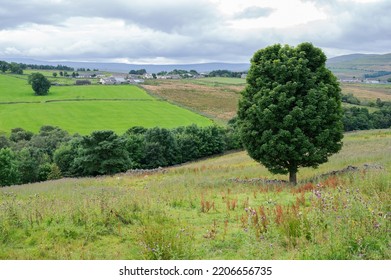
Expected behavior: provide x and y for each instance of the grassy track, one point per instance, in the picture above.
(209, 210)
(83, 109)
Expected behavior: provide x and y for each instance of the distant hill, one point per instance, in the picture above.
(361, 65)
(344, 67)
(150, 68)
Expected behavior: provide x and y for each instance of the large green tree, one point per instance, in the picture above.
(290, 113)
(39, 83)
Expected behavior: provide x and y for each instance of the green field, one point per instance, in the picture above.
(84, 109)
(210, 209)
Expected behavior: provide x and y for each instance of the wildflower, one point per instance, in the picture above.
(318, 194)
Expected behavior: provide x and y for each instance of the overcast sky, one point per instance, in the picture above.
(188, 31)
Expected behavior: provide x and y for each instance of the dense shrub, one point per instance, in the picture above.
(8, 167)
(102, 152)
(356, 118)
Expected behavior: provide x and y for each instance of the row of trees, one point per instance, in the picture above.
(138, 72)
(226, 73)
(359, 118)
(5, 66)
(26, 157)
(377, 74)
(52, 153)
(12, 67)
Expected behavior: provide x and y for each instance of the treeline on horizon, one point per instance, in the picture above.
(17, 68)
(52, 153)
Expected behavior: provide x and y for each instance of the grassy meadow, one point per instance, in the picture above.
(83, 109)
(218, 98)
(368, 92)
(217, 208)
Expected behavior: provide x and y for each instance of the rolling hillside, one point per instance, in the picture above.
(357, 65)
(226, 207)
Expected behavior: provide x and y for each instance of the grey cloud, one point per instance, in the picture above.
(254, 12)
(362, 27)
(19, 12)
(167, 16)
(187, 31)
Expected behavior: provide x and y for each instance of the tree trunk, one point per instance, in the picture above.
(293, 177)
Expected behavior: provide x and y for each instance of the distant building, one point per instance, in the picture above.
(113, 81)
(148, 76)
(120, 80)
(136, 81)
(372, 82)
(83, 82)
(107, 81)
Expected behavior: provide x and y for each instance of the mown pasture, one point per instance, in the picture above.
(83, 109)
(218, 208)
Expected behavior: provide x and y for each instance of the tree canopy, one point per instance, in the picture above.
(39, 83)
(290, 113)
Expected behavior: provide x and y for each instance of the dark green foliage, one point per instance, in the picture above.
(225, 73)
(52, 153)
(135, 146)
(189, 142)
(233, 139)
(55, 172)
(356, 118)
(211, 140)
(160, 148)
(290, 112)
(19, 134)
(351, 99)
(15, 68)
(32, 165)
(64, 157)
(3, 66)
(8, 167)
(39, 83)
(44, 171)
(49, 139)
(136, 130)
(382, 118)
(138, 72)
(377, 74)
(4, 142)
(103, 152)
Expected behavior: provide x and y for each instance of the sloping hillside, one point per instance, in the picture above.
(219, 208)
(358, 65)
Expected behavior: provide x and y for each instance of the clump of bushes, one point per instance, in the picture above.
(26, 157)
